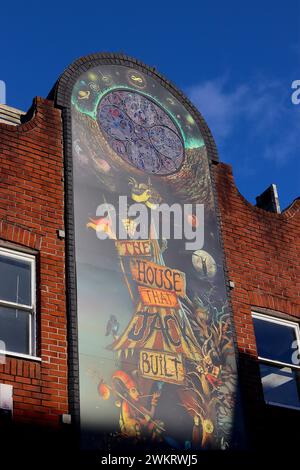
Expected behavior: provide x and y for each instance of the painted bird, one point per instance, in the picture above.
(103, 224)
(145, 193)
(112, 327)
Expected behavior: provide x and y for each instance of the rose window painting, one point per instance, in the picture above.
(141, 132)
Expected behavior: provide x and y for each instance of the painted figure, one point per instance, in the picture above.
(135, 419)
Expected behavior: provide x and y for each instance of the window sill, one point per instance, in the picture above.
(18, 356)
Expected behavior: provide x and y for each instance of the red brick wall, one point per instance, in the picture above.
(31, 212)
(262, 251)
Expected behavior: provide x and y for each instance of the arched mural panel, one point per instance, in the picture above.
(156, 353)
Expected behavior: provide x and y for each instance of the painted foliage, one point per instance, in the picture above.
(157, 362)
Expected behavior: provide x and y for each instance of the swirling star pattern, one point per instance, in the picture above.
(140, 132)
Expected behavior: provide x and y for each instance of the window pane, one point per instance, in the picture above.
(15, 285)
(274, 341)
(14, 329)
(280, 385)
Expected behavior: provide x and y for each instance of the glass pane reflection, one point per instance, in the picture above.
(274, 341)
(14, 330)
(280, 385)
(15, 278)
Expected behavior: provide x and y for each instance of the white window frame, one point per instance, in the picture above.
(279, 321)
(31, 309)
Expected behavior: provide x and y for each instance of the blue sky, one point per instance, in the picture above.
(235, 60)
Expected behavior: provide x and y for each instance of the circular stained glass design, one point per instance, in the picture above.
(140, 132)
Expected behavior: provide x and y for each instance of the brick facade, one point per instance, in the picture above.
(31, 212)
(262, 252)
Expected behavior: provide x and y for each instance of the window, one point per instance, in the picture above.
(278, 346)
(17, 302)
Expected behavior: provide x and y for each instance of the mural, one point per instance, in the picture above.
(157, 363)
